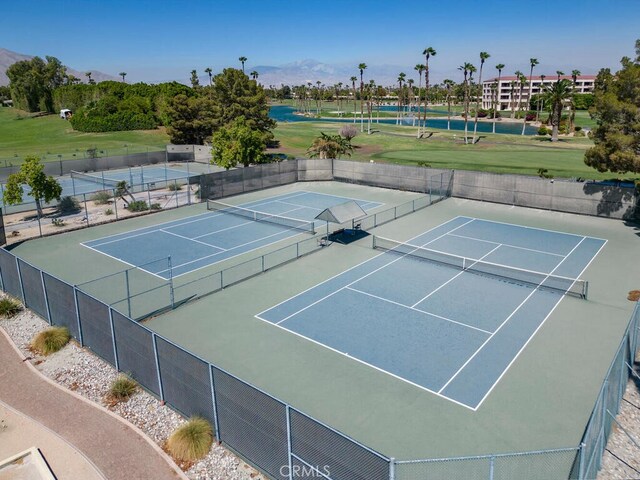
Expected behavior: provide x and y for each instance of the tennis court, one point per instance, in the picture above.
(223, 232)
(449, 310)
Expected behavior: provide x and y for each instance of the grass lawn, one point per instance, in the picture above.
(494, 153)
(50, 136)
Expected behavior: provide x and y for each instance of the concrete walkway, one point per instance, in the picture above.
(116, 448)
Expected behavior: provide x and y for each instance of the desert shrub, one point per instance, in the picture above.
(9, 307)
(174, 186)
(50, 340)
(108, 211)
(57, 222)
(349, 132)
(101, 198)
(191, 441)
(122, 388)
(69, 205)
(138, 206)
(544, 173)
(155, 206)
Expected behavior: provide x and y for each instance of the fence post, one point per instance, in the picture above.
(2, 281)
(289, 452)
(602, 427)
(581, 461)
(157, 359)
(171, 293)
(392, 468)
(113, 338)
(46, 297)
(214, 403)
(149, 193)
(24, 300)
(126, 279)
(491, 466)
(86, 211)
(75, 299)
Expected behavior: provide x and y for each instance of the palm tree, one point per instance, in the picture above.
(483, 57)
(254, 75)
(419, 68)
(520, 82)
(337, 87)
(362, 67)
(542, 77)
(401, 77)
(428, 53)
(242, 60)
(512, 98)
(209, 72)
(410, 96)
(353, 83)
(448, 85)
(123, 74)
(371, 90)
(556, 96)
(318, 97)
(574, 76)
(500, 66)
(466, 69)
(88, 75)
(532, 62)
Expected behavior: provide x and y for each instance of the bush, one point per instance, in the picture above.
(108, 211)
(155, 206)
(57, 222)
(138, 206)
(50, 340)
(349, 132)
(577, 128)
(578, 133)
(530, 117)
(122, 388)
(101, 198)
(69, 205)
(544, 173)
(563, 129)
(174, 186)
(9, 307)
(543, 130)
(191, 441)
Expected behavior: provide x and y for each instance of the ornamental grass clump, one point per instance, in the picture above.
(121, 389)
(9, 307)
(191, 441)
(50, 340)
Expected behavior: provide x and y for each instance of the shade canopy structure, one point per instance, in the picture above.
(342, 213)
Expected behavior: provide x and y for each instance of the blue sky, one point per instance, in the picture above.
(164, 40)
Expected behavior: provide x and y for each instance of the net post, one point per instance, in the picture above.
(171, 292)
(126, 278)
(113, 337)
(585, 289)
(289, 442)
(214, 402)
(392, 468)
(373, 238)
(157, 359)
(73, 185)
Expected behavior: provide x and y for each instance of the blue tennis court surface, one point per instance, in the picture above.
(446, 330)
(202, 240)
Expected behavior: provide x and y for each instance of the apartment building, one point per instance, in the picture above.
(509, 98)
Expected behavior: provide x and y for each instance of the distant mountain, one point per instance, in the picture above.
(304, 71)
(8, 58)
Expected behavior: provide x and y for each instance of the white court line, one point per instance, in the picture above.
(342, 196)
(453, 278)
(416, 309)
(297, 205)
(507, 245)
(397, 377)
(365, 276)
(191, 239)
(536, 330)
(506, 320)
(127, 263)
(349, 269)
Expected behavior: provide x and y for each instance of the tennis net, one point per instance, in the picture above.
(257, 216)
(564, 285)
(100, 180)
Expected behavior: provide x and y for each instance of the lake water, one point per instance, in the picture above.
(285, 113)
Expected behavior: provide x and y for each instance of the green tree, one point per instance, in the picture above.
(499, 67)
(467, 69)
(329, 146)
(617, 111)
(242, 61)
(532, 62)
(123, 74)
(483, 57)
(449, 84)
(353, 85)
(419, 68)
(32, 83)
(192, 119)
(572, 116)
(428, 53)
(237, 144)
(209, 72)
(42, 187)
(362, 67)
(555, 97)
(195, 81)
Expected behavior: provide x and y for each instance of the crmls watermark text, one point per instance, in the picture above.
(304, 471)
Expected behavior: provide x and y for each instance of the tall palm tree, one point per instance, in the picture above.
(574, 77)
(242, 60)
(410, 96)
(370, 96)
(466, 69)
(353, 83)
(520, 83)
(401, 77)
(499, 67)
(542, 77)
(419, 68)
(123, 74)
(254, 75)
(338, 88)
(532, 62)
(512, 98)
(362, 67)
(428, 53)
(209, 72)
(483, 58)
(560, 73)
(88, 75)
(448, 85)
(556, 96)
